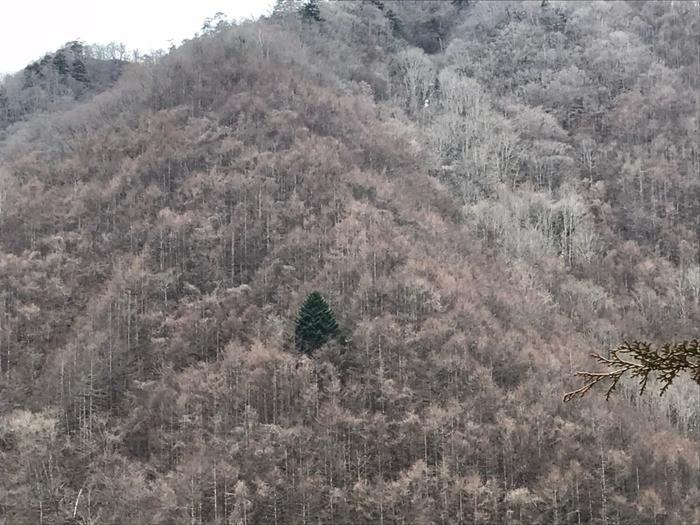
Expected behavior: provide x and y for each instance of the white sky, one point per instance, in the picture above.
(31, 28)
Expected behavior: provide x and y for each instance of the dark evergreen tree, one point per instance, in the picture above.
(395, 21)
(4, 104)
(79, 71)
(310, 11)
(60, 63)
(76, 47)
(284, 8)
(31, 73)
(316, 324)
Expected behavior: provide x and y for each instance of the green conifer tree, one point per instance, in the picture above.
(310, 11)
(316, 324)
(60, 63)
(79, 72)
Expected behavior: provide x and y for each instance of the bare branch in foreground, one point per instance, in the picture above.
(641, 361)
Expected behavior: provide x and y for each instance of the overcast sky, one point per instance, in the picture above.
(30, 28)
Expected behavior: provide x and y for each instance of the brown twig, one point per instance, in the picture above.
(641, 361)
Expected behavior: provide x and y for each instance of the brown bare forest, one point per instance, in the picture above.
(483, 192)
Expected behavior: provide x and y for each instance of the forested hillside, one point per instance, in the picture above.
(483, 192)
(55, 82)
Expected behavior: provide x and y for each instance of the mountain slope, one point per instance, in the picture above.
(157, 242)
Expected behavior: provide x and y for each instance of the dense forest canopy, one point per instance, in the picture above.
(484, 192)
